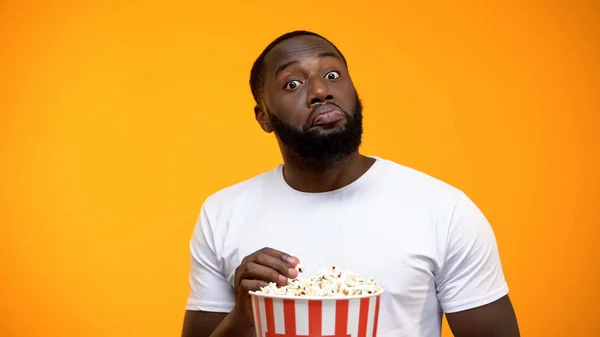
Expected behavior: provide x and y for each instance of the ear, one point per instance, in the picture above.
(262, 118)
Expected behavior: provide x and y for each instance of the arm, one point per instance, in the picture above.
(211, 296)
(256, 270)
(211, 324)
(216, 308)
(201, 323)
(496, 319)
(470, 283)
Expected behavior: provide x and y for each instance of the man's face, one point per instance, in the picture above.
(310, 102)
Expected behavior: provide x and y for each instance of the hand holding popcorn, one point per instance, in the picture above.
(263, 267)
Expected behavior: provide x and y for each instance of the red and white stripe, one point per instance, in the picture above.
(276, 317)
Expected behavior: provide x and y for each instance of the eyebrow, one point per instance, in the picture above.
(290, 63)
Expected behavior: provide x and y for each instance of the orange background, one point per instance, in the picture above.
(118, 119)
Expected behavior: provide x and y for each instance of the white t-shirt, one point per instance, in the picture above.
(424, 241)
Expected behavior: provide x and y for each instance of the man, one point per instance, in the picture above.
(426, 242)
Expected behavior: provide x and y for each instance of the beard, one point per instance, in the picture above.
(317, 150)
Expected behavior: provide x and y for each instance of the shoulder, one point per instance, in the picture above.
(240, 192)
(416, 185)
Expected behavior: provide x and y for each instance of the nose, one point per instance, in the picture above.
(318, 92)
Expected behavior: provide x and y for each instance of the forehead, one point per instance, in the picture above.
(297, 49)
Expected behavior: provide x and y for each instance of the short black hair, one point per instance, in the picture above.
(258, 68)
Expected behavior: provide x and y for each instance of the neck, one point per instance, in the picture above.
(327, 178)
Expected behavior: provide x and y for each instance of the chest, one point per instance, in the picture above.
(393, 244)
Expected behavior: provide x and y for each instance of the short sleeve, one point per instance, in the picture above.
(209, 289)
(471, 274)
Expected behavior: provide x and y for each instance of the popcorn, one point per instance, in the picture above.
(331, 282)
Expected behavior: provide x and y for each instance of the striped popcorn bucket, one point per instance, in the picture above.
(284, 316)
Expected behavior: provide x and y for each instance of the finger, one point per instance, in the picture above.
(252, 285)
(262, 273)
(280, 255)
(290, 259)
(283, 268)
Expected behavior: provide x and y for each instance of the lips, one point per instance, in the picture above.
(327, 114)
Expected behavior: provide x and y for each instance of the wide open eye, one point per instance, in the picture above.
(292, 85)
(332, 75)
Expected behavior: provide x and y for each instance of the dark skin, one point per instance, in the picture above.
(255, 271)
(299, 73)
